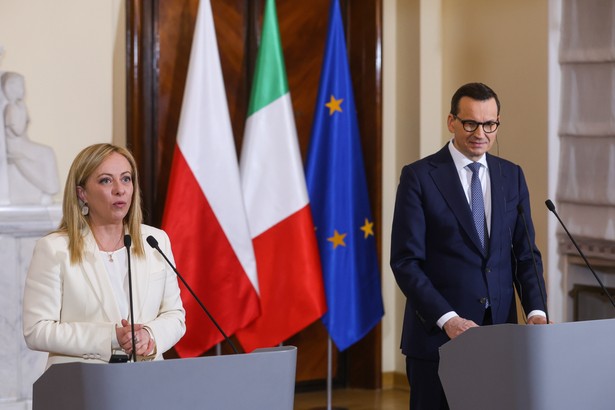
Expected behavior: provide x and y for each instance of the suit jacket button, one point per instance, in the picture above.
(483, 301)
(487, 270)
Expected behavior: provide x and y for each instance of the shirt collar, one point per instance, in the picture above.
(461, 161)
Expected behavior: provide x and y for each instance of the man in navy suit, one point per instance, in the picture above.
(458, 261)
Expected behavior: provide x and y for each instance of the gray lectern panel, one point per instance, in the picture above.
(515, 367)
(264, 379)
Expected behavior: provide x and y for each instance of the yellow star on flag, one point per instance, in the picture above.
(368, 228)
(337, 239)
(334, 105)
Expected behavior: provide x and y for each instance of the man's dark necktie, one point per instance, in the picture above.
(477, 203)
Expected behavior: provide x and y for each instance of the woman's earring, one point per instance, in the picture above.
(85, 210)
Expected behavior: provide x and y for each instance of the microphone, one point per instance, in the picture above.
(551, 208)
(154, 244)
(531, 248)
(127, 243)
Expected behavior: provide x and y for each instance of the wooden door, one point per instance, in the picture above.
(159, 37)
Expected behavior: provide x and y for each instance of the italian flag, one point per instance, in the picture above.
(277, 205)
(204, 214)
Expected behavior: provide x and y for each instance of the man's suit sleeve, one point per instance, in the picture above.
(408, 251)
(526, 281)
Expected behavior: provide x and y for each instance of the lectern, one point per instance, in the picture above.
(516, 367)
(263, 379)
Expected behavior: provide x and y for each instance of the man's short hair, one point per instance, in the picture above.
(475, 91)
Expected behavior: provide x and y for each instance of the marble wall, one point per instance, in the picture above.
(20, 227)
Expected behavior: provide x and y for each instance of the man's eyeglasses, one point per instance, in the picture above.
(471, 126)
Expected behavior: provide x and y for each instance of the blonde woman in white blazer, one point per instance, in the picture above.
(76, 304)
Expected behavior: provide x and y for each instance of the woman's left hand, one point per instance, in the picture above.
(143, 341)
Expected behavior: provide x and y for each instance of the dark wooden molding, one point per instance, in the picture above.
(141, 92)
(364, 41)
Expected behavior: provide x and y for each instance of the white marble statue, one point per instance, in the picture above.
(28, 179)
(4, 177)
(30, 167)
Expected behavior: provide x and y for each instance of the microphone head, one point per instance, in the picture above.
(127, 241)
(152, 242)
(550, 205)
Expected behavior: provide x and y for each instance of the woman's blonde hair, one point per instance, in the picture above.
(73, 222)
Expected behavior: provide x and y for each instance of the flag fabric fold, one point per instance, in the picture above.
(276, 201)
(337, 189)
(204, 213)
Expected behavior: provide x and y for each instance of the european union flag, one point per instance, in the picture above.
(337, 189)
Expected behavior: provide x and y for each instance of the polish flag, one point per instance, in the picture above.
(277, 205)
(204, 214)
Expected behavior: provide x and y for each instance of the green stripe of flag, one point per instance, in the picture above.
(270, 75)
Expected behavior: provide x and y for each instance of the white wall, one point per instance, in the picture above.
(400, 145)
(71, 53)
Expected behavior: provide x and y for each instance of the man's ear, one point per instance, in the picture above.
(449, 123)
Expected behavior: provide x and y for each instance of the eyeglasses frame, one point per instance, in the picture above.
(482, 124)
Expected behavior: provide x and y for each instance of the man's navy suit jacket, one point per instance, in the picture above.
(437, 258)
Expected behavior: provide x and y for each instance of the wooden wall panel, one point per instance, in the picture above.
(159, 37)
(364, 33)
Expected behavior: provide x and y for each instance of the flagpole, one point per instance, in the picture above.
(330, 379)
(329, 373)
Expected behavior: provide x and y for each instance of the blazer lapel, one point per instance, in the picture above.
(446, 179)
(498, 200)
(98, 279)
(140, 283)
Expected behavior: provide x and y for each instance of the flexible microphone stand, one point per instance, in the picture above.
(154, 244)
(127, 243)
(551, 208)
